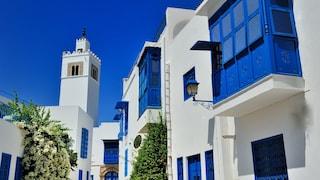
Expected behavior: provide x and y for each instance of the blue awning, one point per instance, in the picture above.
(121, 105)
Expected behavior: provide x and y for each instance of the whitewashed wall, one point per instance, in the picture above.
(11, 143)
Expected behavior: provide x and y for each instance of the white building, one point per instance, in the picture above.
(254, 115)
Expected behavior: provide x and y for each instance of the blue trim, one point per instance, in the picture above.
(111, 152)
(126, 163)
(5, 166)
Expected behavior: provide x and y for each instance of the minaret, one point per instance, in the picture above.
(80, 78)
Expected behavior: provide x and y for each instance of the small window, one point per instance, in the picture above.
(84, 143)
(18, 172)
(80, 174)
(75, 69)
(282, 23)
(194, 167)
(190, 75)
(94, 72)
(269, 159)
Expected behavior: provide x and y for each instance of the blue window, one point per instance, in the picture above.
(269, 158)
(149, 79)
(5, 166)
(84, 143)
(180, 168)
(209, 164)
(18, 172)
(92, 177)
(258, 38)
(80, 174)
(190, 75)
(88, 175)
(112, 175)
(111, 152)
(194, 167)
(126, 163)
(4, 110)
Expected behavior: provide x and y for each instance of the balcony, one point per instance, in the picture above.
(269, 90)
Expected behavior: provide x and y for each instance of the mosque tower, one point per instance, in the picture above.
(80, 78)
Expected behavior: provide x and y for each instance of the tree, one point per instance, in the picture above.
(151, 161)
(47, 146)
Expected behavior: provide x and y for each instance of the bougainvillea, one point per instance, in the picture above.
(47, 146)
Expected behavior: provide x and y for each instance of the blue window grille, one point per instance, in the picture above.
(258, 38)
(149, 79)
(84, 143)
(80, 174)
(190, 75)
(18, 172)
(209, 164)
(126, 163)
(180, 168)
(5, 166)
(269, 158)
(112, 175)
(111, 152)
(194, 167)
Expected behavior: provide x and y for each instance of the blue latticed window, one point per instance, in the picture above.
(209, 164)
(80, 174)
(111, 152)
(269, 158)
(149, 79)
(180, 168)
(112, 175)
(84, 143)
(190, 75)
(18, 172)
(194, 167)
(258, 38)
(5, 166)
(126, 163)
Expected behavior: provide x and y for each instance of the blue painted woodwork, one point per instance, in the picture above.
(269, 158)
(190, 75)
(180, 168)
(111, 152)
(80, 174)
(5, 166)
(194, 167)
(126, 163)
(258, 38)
(87, 175)
(209, 165)
(112, 175)
(123, 117)
(149, 79)
(18, 172)
(84, 143)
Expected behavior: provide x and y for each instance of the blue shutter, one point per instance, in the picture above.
(84, 143)
(18, 172)
(5, 166)
(180, 168)
(126, 163)
(194, 167)
(209, 165)
(80, 174)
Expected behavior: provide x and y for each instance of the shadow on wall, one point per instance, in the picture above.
(290, 118)
(211, 124)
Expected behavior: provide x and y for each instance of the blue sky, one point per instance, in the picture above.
(34, 33)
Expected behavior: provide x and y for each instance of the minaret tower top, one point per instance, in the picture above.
(82, 44)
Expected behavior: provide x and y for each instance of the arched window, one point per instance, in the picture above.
(111, 175)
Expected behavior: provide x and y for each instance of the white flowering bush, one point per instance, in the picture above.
(47, 152)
